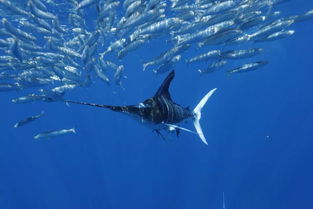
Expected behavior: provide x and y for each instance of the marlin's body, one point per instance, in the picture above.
(160, 110)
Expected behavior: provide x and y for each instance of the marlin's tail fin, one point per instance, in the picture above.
(197, 114)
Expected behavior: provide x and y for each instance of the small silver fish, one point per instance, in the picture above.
(248, 67)
(252, 22)
(132, 46)
(40, 13)
(133, 7)
(168, 65)
(40, 5)
(69, 52)
(220, 7)
(127, 3)
(16, 50)
(240, 54)
(151, 4)
(118, 75)
(28, 98)
(205, 56)
(63, 88)
(278, 35)
(271, 28)
(167, 56)
(13, 7)
(139, 19)
(54, 133)
(17, 32)
(43, 23)
(119, 44)
(213, 67)
(306, 16)
(200, 35)
(24, 22)
(221, 37)
(85, 3)
(157, 27)
(28, 120)
(99, 72)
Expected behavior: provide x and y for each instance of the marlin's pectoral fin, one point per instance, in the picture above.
(172, 127)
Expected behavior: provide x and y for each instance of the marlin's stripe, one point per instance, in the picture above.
(172, 115)
(168, 113)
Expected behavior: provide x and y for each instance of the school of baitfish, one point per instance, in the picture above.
(47, 45)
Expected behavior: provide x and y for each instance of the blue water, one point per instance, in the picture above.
(258, 126)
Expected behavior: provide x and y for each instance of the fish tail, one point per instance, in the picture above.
(144, 66)
(197, 115)
(73, 130)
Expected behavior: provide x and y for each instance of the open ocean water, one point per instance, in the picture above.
(258, 126)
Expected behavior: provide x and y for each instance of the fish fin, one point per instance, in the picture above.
(197, 115)
(163, 90)
(73, 130)
(145, 65)
(173, 127)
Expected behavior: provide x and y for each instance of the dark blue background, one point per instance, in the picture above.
(258, 126)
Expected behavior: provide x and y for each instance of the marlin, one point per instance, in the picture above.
(161, 111)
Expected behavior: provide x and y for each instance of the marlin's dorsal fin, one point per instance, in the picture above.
(163, 90)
